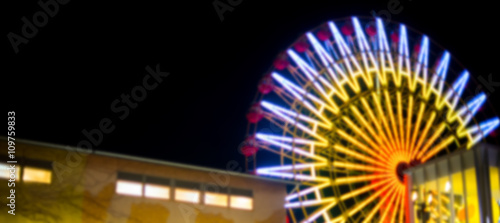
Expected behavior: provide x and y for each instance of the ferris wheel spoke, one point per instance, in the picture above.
(400, 123)
(484, 128)
(366, 138)
(381, 117)
(381, 140)
(423, 134)
(358, 156)
(309, 203)
(386, 211)
(293, 118)
(438, 148)
(438, 78)
(404, 65)
(316, 214)
(293, 140)
(385, 57)
(355, 166)
(312, 75)
(466, 112)
(356, 179)
(327, 62)
(394, 124)
(369, 61)
(377, 208)
(409, 119)
(306, 151)
(402, 207)
(364, 203)
(358, 144)
(301, 95)
(375, 121)
(364, 189)
(421, 65)
(292, 167)
(416, 129)
(350, 62)
(455, 92)
(431, 140)
(312, 189)
(293, 176)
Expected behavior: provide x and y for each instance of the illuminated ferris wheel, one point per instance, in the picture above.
(351, 105)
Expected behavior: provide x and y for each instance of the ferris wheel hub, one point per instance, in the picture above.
(403, 166)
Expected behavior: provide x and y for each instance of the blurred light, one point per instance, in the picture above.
(447, 186)
(37, 175)
(429, 199)
(157, 191)
(216, 199)
(187, 195)
(5, 172)
(131, 188)
(414, 196)
(241, 202)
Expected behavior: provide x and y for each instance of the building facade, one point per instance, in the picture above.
(460, 187)
(54, 183)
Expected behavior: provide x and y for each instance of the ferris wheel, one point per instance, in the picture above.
(350, 106)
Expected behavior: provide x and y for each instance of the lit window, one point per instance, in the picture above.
(157, 191)
(37, 175)
(216, 199)
(131, 188)
(5, 171)
(187, 195)
(241, 202)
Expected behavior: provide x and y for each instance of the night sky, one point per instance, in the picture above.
(66, 77)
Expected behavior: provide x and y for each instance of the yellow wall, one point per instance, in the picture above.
(495, 193)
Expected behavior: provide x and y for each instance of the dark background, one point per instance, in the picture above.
(64, 80)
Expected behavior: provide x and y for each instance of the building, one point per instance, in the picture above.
(64, 184)
(460, 187)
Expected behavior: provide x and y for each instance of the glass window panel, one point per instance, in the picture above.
(5, 171)
(430, 198)
(445, 204)
(472, 196)
(131, 188)
(157, 191)
(37, 175)
(495, 193)
(472, 200)
(241, 202)
(445, 197)
(187, 195)
(216, 199)
(457, 188)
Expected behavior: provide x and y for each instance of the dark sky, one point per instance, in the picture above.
(66, 77)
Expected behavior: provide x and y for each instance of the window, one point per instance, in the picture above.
(131, 188)
(216, 199)
(187, 191)
(129, 184)
(157, 187)
(37, 175)
(187, 195)
(241, 202)
(241, 199)
(157, 191)
(5, 171)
